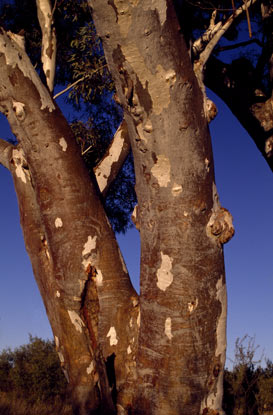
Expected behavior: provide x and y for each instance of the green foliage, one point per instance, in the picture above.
(32, 372)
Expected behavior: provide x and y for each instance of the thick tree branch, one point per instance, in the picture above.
(107, 169)
(5, 153)
(49, 42)
(247, 102)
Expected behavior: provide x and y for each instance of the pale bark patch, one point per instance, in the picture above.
(176, 189)
(164, 274)
(57, 343)
(58, 223)
(90, 368)
(20, 164)
(129, 350)
(138, 319)
(207, 165)
(19, 109)
(76, 320)
(63, 143)
(159, 82)
(49, 43)
(112, 334)
(15, 57)
(192, 305)
(168, 328)
(61, 357)
(161, 170)
(99, 278)
(58, 294)
(89, 246)
(104, 169)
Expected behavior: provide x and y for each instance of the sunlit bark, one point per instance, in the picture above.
(75, 257)
(181, 348)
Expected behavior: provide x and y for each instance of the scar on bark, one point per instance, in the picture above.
(90, 311)
(220, 226)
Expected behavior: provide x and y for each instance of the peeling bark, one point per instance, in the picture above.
(182, 313)
(107, 169)
(66, 232)
(49, 42)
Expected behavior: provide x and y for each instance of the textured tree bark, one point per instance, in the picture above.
(167, 358)
(181, 347)
(89, 298)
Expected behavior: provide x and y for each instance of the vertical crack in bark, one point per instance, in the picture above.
(90, 310)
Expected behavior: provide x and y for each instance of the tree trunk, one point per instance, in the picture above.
(84, 283)
(169, 358)
(181, 347)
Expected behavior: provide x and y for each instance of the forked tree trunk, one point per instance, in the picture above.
(169, 359)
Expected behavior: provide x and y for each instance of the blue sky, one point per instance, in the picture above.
(245, 185)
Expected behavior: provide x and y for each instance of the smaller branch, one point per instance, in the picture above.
(107, 169)
(49, 41)
(239, 45)
(205, 54)
(248, 20)
(70, 86)
(78, 81)
(5, 153)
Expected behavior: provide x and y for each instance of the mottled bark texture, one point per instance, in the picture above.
(181, 343)
(76, 261)
(167, 358)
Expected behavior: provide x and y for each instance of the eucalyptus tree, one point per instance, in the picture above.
(163, 351)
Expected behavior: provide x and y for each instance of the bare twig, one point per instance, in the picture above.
(70, 86)
(239, 45)
(78, 81)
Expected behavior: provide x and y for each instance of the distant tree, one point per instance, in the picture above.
(241, 384)
(32, 371)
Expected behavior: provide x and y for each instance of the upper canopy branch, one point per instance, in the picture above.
(204, 46)
(49, 42)
(5, 153)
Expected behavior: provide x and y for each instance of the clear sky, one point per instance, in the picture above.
(245, 185)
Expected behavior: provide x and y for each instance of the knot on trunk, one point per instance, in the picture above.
(220, 226)
(268, 148)
(211, 110)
